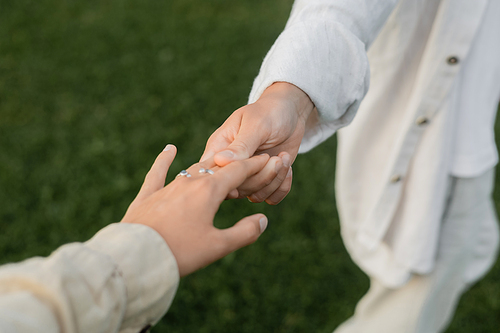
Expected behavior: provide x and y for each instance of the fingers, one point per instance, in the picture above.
(282, 191)
(244, 233)
(265, 192)
(234, 174)
(206, 164)
(155, 178)
(250, 135)
(262, 179)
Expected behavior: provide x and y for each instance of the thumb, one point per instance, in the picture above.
(218, 141)
(246, 142)
(245, 232)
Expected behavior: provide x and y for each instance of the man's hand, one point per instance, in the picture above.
(275, 124)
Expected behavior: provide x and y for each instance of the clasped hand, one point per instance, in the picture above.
(183, 211)
(239, 154)
(275, 125)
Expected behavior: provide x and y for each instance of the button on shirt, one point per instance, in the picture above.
(435, 81)
(478, 93)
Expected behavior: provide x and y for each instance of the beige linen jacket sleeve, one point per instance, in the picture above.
(323, 51)
(122, 280)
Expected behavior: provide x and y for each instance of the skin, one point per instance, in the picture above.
(275, 124)
(183, 211)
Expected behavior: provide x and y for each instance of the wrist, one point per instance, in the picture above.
(299, 100)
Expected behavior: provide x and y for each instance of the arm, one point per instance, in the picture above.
(110, 282)
(125, 277)
(320, 57)
(323, 52)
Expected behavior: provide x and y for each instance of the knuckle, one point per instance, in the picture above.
(272, 202)
(277, 197)
(269, 179)
(251, 232)
(242, 192)
(257, 197)
(246, 193)
(255, 230)
(281, 176)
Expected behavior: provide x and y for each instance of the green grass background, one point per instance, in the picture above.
(91, 91)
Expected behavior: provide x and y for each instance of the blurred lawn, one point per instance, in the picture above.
(91, 91)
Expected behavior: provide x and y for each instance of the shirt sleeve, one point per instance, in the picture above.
(121, 280)
(323, 52)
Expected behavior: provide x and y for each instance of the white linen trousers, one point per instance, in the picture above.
(468, 247)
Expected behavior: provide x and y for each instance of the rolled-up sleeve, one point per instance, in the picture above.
(121, 280)
(323, 52)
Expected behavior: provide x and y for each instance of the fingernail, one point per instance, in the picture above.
(168, 147)
(250, 199)
(227, 154)
(263, 224)
(264, 154)
(289, 174)
(286, 160)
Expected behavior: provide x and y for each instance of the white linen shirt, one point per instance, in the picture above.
(122, 280)
(435, 83)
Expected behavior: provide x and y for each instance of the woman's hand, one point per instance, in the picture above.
(183, 211)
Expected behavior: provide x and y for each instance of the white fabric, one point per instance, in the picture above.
(121, 280)
(475, 150)
(391, 166)
(467, 250)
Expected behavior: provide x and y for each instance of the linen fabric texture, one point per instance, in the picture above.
(435, 83)
(467, 249)
(121, 280)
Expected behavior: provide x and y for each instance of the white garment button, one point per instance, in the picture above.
(422, 120)
(396, 178)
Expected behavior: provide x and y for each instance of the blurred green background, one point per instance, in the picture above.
(91, 91)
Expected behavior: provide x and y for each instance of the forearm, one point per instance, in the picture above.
(322, 51)
(121, 280)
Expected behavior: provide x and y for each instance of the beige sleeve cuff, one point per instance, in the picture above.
(123, 279)
(148, 267)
